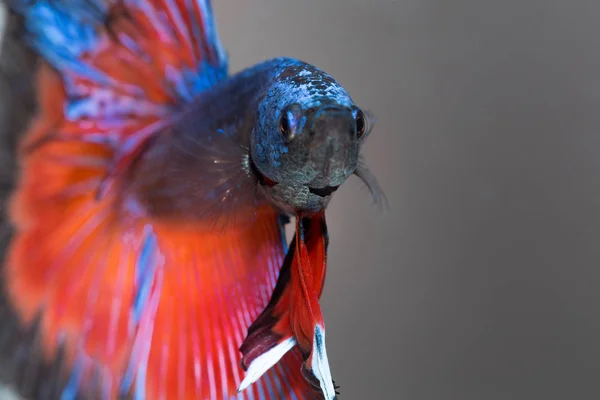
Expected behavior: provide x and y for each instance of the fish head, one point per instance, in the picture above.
(306, 139)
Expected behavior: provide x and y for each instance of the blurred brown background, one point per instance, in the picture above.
(482, 280)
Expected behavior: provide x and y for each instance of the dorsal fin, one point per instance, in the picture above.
(121, 67)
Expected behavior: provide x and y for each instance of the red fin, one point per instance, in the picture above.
(68, 255)
(78, 261)
(293, 316)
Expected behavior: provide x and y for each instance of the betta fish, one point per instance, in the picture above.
(148, 256)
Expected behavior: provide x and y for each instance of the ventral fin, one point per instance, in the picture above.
(293, 317)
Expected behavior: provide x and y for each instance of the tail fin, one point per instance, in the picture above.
(134, 306)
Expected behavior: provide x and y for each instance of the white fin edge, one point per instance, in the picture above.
(265, 361)
(320, 364)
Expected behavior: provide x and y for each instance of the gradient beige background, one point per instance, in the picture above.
(482, 280)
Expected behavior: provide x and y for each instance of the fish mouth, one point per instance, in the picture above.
(265, 181)
(323, 192)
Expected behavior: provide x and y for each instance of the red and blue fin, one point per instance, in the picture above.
(125, 66)
(132, 304)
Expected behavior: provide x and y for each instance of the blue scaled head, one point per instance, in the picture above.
(307, 138)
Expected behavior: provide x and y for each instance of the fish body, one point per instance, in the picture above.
(148, 258)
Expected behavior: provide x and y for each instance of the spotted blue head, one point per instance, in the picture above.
(306, 139)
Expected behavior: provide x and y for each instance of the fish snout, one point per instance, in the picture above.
(333, 147)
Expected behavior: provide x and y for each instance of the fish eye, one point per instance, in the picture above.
(361, 124)
(289, 121)
(284, 125)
